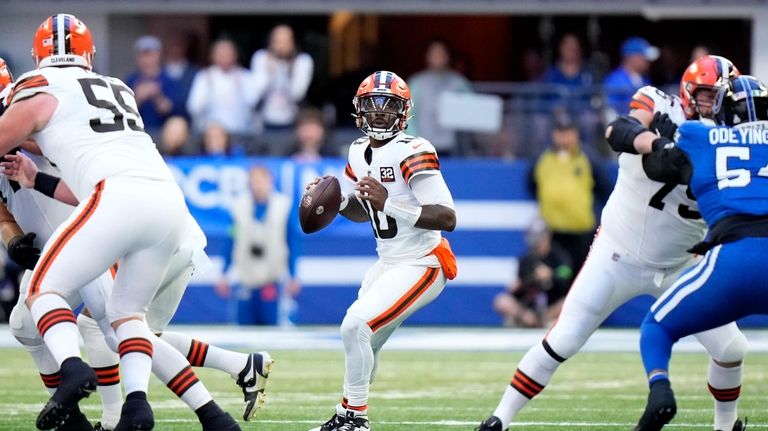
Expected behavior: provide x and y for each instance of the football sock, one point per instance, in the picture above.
(135, 355)
(359, 362)
(172, 368)
(45, 363)
(57, 325)
(200, 354)
(532, 375)
(105, 362)
(725, 386)
(655, 347)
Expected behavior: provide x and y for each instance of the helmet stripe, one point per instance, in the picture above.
(55, 32)
(67, 35)
(751, 110)
(59, 37)
(383, 78)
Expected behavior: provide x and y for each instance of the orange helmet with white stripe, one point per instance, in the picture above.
(382, 104)
(6, 78)
(709, 72)
(63, 40)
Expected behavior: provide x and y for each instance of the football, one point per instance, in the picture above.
(320, 204)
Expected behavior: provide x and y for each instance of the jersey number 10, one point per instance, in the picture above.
(123, 113)
(381, 233)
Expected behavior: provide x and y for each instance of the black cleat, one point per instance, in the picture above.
(491, 424)
(354, 422)
(739, 425)
(78, 380)
(100, 427)
(661, 407)
(333, 424)
(136, 414)
(75, 422)
(213, 418)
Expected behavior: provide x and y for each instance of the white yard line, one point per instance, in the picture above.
(416, 338)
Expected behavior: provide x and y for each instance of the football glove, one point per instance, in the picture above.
(21, 250)
(663, 126)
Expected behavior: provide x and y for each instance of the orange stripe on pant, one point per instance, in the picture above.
(405, 301)
(50, 255)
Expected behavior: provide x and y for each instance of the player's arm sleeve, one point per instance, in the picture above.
(424, 162)
(668, 165)
(28, 86)
(432, 190)
(643, 100)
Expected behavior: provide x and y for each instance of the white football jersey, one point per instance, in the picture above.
(394, 165)
(95, 132)
(653, 222)
(33, 211)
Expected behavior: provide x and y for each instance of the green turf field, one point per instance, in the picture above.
(426, 391)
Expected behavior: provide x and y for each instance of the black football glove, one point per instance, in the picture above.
(21, 250)
(663, 125)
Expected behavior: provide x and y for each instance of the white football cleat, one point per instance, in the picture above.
(253, 381)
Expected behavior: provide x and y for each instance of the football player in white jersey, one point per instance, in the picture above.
(640, 249)
(250, 370)
(399, 189)
(129, 211)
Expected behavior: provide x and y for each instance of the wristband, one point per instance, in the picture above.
(46, 184)
(402, 211)
(344, 202)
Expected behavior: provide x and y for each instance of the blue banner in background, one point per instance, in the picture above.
(494, 209)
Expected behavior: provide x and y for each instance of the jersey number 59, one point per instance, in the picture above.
(123, 114)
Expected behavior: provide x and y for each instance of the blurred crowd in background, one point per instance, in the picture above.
(225, 108)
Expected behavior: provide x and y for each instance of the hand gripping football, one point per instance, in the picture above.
(320, 204)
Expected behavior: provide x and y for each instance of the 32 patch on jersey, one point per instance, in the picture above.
(387, 174)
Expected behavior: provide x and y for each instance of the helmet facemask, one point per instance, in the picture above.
(381, 116)
(740, 105)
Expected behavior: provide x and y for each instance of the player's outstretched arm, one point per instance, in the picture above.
(22, 169)
(636, 133)
(23, 118)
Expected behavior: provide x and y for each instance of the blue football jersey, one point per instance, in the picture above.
(730, 168)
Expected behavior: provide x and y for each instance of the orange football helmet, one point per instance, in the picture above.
(63, 40)
(382, 104)
(6, 78)
(708, 72)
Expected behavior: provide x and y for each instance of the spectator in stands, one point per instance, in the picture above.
(181, 71)
(223, 93)
(565, 181)
(545, 273)
(216, 140)
(260, 250)
(282, 75)
(310, 136)
(569, 69)
(426, 88)
(153, 88)
(533, 64)
(637, 55)
(174, 140)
